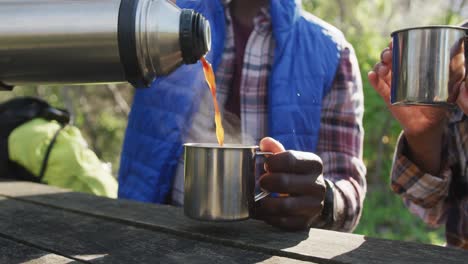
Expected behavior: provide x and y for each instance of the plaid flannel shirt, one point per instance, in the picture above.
(443, 198)
(341, 132)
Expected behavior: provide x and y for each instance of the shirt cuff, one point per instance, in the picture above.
(415, 185)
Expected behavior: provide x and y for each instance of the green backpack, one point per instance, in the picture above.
(14, 113)
(38, 144)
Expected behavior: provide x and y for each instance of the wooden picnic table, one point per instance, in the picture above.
(44, 224)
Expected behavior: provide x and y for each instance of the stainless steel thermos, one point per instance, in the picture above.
(97, 41)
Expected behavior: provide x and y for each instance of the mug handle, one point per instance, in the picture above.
(263, 193)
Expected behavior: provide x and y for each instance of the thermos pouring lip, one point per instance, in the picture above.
(195, 36)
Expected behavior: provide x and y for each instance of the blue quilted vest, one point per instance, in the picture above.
(306, 57)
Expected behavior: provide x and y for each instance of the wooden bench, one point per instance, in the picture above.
(44, 224)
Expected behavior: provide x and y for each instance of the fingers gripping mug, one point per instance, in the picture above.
(220, 181)
(428, 65)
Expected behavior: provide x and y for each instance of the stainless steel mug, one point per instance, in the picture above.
(428, 65)
(220, 181)
(97, 41)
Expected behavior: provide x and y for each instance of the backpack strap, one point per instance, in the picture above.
(5, 87)
(16, 112)
(60, 115)
(49, 149)
(22, 109)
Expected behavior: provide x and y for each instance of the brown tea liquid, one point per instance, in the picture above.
(210, 79)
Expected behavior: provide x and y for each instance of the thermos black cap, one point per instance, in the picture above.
(195, 36)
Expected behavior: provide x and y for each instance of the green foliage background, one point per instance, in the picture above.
(101, 111)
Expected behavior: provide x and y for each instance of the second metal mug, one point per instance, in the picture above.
(220, 181)
(428, 65)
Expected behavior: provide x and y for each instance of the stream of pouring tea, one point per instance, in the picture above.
(210, 79)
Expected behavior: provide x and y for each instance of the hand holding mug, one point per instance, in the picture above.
(297, 177)
(429, 70)
(415, 119)
(426, 73)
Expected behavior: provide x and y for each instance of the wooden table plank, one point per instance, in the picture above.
(98, 240)
(15, 252)
(316, 245)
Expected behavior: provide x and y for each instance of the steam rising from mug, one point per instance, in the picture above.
(97, 41)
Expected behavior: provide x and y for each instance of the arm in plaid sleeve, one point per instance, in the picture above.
(341, 141)
(424, 194)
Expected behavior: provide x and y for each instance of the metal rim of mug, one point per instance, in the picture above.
(428, 27)
(437, 104)
(216, 145)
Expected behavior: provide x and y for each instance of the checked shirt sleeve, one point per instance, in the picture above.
(341, 141)
(424, 194)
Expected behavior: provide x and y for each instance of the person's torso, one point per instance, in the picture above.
(306, 56)
(244, 72)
